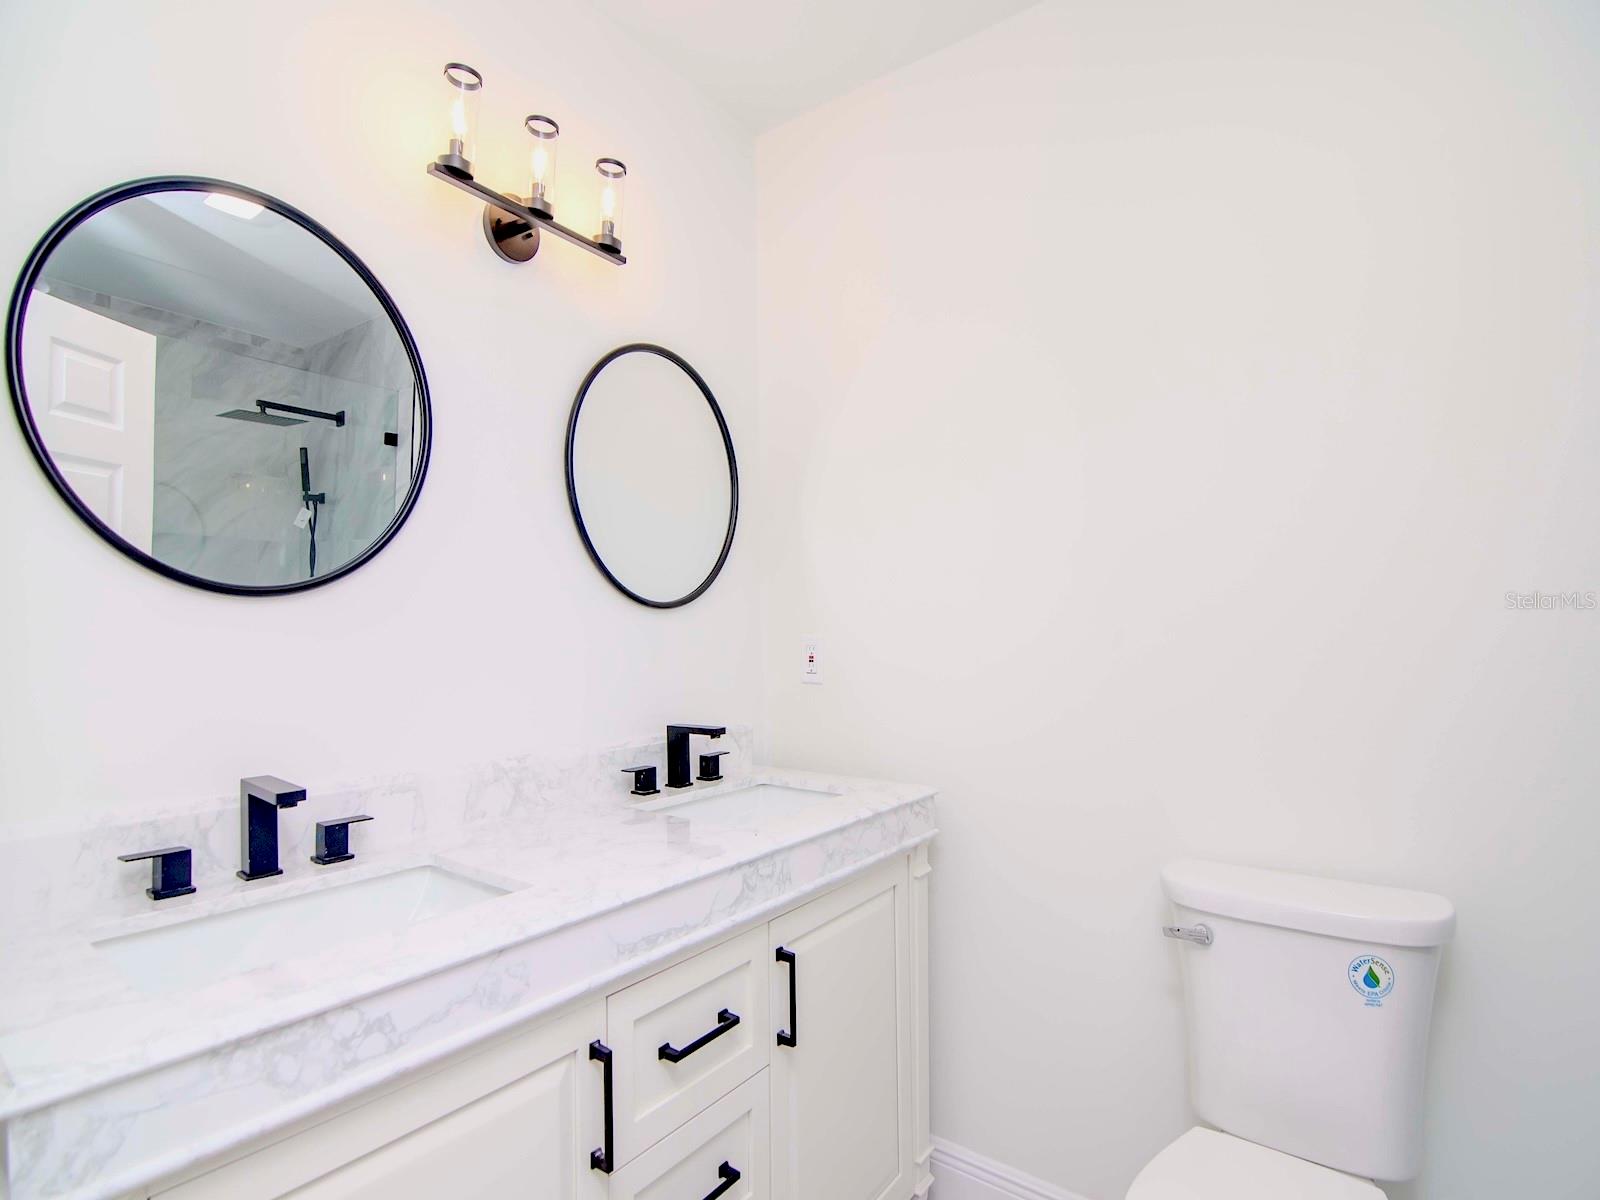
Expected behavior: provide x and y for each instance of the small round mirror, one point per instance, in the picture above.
(651, 475)
(218, 386)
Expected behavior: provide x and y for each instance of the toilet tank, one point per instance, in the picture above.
(1308, 1013)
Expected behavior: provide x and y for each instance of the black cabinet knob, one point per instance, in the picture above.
(171, 871)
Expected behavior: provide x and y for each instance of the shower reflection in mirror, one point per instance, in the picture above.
(221, 389)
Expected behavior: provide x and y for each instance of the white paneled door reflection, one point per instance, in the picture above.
(97, 410)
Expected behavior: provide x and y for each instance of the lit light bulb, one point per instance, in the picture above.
(546, 134)
(612, 173)
(465, 85)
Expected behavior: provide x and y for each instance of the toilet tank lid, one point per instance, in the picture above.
(1362, 912)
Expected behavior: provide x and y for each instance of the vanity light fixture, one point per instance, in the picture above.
(512, 225)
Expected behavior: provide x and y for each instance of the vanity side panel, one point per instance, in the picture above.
(921, 1131)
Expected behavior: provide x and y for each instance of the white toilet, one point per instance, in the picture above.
(1308, 1005)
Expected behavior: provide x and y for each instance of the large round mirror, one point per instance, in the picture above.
(651, 475)
(218, 386)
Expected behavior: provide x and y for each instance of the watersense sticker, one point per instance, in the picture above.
(1372, 978)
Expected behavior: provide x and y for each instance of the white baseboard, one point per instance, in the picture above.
(961, 1174)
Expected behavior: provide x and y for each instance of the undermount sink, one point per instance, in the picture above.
(203, 950)
(740, 803)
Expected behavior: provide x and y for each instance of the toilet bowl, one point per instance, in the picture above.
(1206, 1165)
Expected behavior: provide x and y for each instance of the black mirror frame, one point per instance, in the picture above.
(17, 313)
(727, 445)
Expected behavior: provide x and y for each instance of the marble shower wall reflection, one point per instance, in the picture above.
(227, 492)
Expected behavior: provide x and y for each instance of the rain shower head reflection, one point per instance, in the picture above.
(260, 418)
(263, 417)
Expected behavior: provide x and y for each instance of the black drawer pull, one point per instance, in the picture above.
(600, 1160)
(729, 1177)
(792, 1038)
(725, 1021)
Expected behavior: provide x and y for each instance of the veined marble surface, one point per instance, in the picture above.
(105, 1089)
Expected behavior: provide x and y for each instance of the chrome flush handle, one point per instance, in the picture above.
(1200, 935)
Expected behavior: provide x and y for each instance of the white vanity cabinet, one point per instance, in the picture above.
(786, 1062)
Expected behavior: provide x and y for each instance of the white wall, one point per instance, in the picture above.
(483, 629)
(1158, 400)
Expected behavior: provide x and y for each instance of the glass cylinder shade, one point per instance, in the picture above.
(612, 174)
(464, 86)
(545, 134)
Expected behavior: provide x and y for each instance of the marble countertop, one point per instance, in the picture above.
(105, 1087)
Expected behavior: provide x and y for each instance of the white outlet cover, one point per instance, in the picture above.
(810, 660)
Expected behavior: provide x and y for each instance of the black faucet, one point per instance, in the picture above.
(260, 798)
(678, 751)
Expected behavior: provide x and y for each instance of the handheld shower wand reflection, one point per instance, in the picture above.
(313, 502)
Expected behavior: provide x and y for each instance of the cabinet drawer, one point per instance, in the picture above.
(710, 1015)
(725, 1147)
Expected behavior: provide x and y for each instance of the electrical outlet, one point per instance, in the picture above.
(811, 660)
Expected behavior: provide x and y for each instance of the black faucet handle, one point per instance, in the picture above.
(333, 840)
(273, 790)
(171, 871)
(711, 766)
(644, 780)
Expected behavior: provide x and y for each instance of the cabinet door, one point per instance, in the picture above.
(515, 1120)
(841, 1094)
